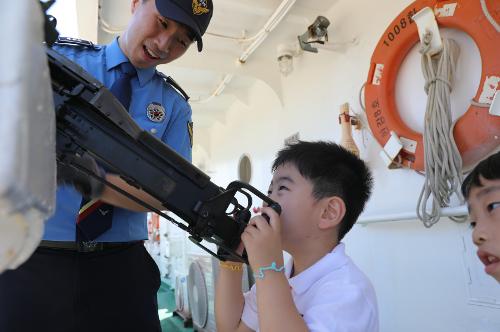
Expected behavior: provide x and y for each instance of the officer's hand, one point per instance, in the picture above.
(86, 185)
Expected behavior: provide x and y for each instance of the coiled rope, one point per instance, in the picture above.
(443, 163)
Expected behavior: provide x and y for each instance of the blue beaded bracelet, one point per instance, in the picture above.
(271, 267)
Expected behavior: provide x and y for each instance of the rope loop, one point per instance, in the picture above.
(443, 163)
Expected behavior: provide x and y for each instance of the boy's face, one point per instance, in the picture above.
(484, 208)
(299, 209)
(151, 39)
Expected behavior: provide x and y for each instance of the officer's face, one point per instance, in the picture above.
(484, 207)
(151, 39)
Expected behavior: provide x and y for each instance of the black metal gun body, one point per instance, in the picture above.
(90, 119)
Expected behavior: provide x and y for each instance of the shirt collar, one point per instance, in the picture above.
(334, 260)
(115, 57)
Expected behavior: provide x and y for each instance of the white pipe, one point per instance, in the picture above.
(218, 90)
(337, 46)
(445, 212)
(271, 23)
(238, 39)
(106, 27)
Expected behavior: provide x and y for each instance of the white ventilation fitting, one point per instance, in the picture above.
(181, 298)
(27, 129)
(201, 294)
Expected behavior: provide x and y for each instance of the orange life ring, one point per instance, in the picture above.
(477, 133)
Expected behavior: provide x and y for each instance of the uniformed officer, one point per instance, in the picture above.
(112, 284)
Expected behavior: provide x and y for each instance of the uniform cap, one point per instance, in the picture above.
(195, 14)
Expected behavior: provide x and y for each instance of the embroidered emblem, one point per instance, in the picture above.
(200, 7)
(190, 132)
(103, 212)
(155, 112)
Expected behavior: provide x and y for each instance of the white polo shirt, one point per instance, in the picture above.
(331, 295)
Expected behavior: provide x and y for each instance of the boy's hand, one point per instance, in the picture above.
(262, 240)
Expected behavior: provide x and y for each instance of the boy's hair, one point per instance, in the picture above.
(489, 169)
(333, 171)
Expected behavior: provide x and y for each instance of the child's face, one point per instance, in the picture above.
(294, 194)
(484, 208)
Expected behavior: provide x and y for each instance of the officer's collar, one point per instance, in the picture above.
(115, 57)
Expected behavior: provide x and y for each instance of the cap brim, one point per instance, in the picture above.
(171, 11)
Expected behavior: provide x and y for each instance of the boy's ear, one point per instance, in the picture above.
(333, 211)
(133, 5)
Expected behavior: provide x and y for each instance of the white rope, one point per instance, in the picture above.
(489, 17)
(443, 163)
(475, 103)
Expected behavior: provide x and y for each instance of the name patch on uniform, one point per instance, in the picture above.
(155, 112)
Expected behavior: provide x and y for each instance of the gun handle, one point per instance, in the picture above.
(276, 207)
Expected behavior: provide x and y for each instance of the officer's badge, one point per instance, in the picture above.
(190, 132)
(200, 7)
(155, 112)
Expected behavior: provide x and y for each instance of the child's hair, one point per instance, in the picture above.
(489, 169)
(333, 171)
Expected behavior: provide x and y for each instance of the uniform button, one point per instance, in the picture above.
(153, 131)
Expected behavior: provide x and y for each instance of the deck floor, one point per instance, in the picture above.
(166, 306)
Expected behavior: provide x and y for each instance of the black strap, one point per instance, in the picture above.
(75, 42)
(174, 84)
(51, 33)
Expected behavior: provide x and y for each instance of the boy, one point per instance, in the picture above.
(481, 189)
(322, 188)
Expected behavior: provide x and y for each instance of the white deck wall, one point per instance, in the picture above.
(419, 274)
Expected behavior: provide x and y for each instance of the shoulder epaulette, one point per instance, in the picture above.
(174, 84)
(75, 42)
